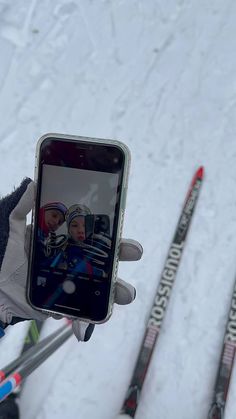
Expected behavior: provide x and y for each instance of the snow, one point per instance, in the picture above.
(159, 76)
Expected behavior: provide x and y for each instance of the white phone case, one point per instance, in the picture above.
(124, 188)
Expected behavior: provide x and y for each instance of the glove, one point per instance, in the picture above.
(14, 250)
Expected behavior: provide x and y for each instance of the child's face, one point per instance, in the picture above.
(53, 219)
(77, 229)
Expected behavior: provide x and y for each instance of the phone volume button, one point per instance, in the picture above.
(122, 214)
(115, 276)
(116, 267)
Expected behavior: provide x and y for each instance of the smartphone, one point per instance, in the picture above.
(81, 186)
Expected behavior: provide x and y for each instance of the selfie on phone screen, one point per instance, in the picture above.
(76, 221)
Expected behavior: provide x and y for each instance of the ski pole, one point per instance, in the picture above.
(161, 299)
(36, 359)
(5, 371)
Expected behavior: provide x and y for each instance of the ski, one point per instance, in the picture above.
(31, 339)
(32, 335)
(161, 299)
(226, 363)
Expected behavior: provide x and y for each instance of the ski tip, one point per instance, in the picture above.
(200, 172)
(123, 416)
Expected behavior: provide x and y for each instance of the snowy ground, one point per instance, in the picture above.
(159, 75)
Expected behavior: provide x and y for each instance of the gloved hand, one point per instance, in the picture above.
(14, 249)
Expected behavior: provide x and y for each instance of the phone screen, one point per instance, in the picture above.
(76, 218)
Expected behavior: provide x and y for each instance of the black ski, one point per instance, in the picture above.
(161, 300)
(225, 365)
(33, 335)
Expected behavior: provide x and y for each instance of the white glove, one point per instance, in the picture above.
(14, 247)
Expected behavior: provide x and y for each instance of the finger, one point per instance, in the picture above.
(82, 330)
(57, 316)
(130, 250)
(125, 293)
(13, 210)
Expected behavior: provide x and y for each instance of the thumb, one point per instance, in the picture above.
(22, 199)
